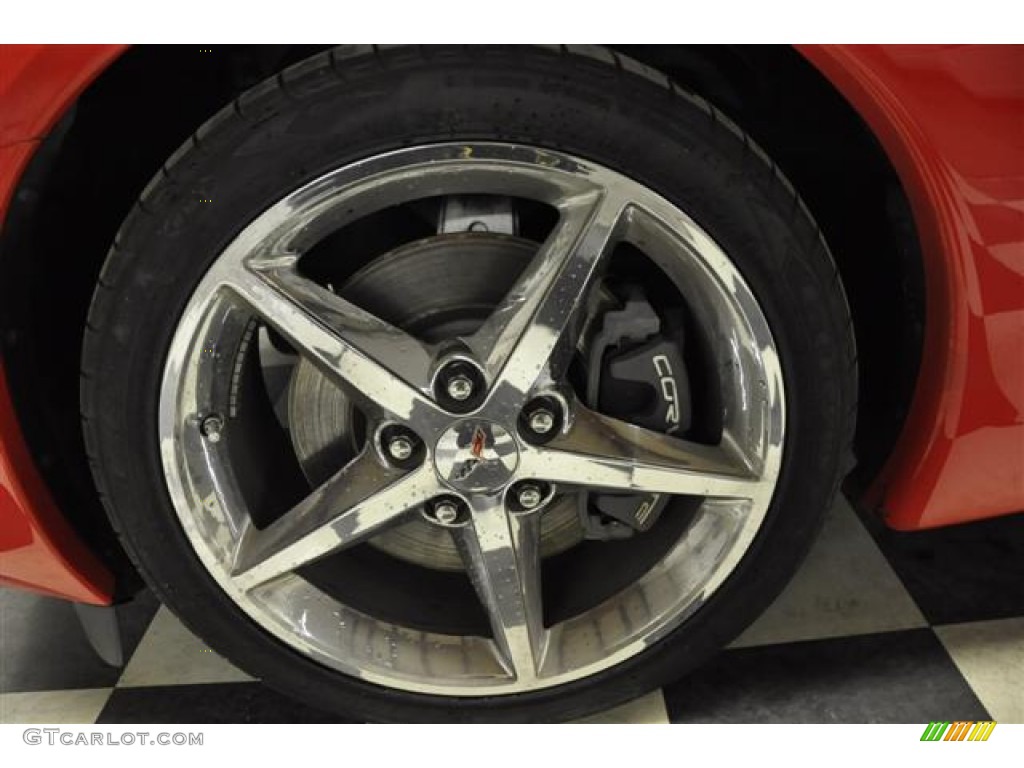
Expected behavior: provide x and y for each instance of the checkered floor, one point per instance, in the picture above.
(877, 627)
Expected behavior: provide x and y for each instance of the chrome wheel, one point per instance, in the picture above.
(478, 436)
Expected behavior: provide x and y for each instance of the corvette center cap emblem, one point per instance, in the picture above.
(476, 455)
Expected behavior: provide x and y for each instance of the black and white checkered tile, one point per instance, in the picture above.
(876, 627)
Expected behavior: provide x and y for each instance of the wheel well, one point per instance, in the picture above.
(91, 169)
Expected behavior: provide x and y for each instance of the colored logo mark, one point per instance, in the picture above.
(958, 731)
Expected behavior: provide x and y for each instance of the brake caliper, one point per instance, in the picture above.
(636, 374)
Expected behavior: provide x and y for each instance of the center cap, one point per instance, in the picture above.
(476, 455)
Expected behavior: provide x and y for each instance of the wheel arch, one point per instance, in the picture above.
(102, 142)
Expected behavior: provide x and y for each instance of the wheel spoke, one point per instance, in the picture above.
(518, 339)
(360, 500)
(602, 452)
(501, 552)
(382, 366)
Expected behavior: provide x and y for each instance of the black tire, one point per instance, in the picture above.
(358, 101)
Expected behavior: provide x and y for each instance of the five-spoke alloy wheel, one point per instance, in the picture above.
(477, 458)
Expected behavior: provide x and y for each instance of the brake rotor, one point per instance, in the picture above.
(435, 289)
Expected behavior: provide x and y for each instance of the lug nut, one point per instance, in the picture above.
(542, 421)
(529, 496)
(400, 448)
(446, 512)
(211, 428)
(460, 387)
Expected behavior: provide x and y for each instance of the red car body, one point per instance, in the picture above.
(951, 121)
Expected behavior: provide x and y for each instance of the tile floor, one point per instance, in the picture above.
(877, 627)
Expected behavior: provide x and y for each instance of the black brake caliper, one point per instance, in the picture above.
(636, 374)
